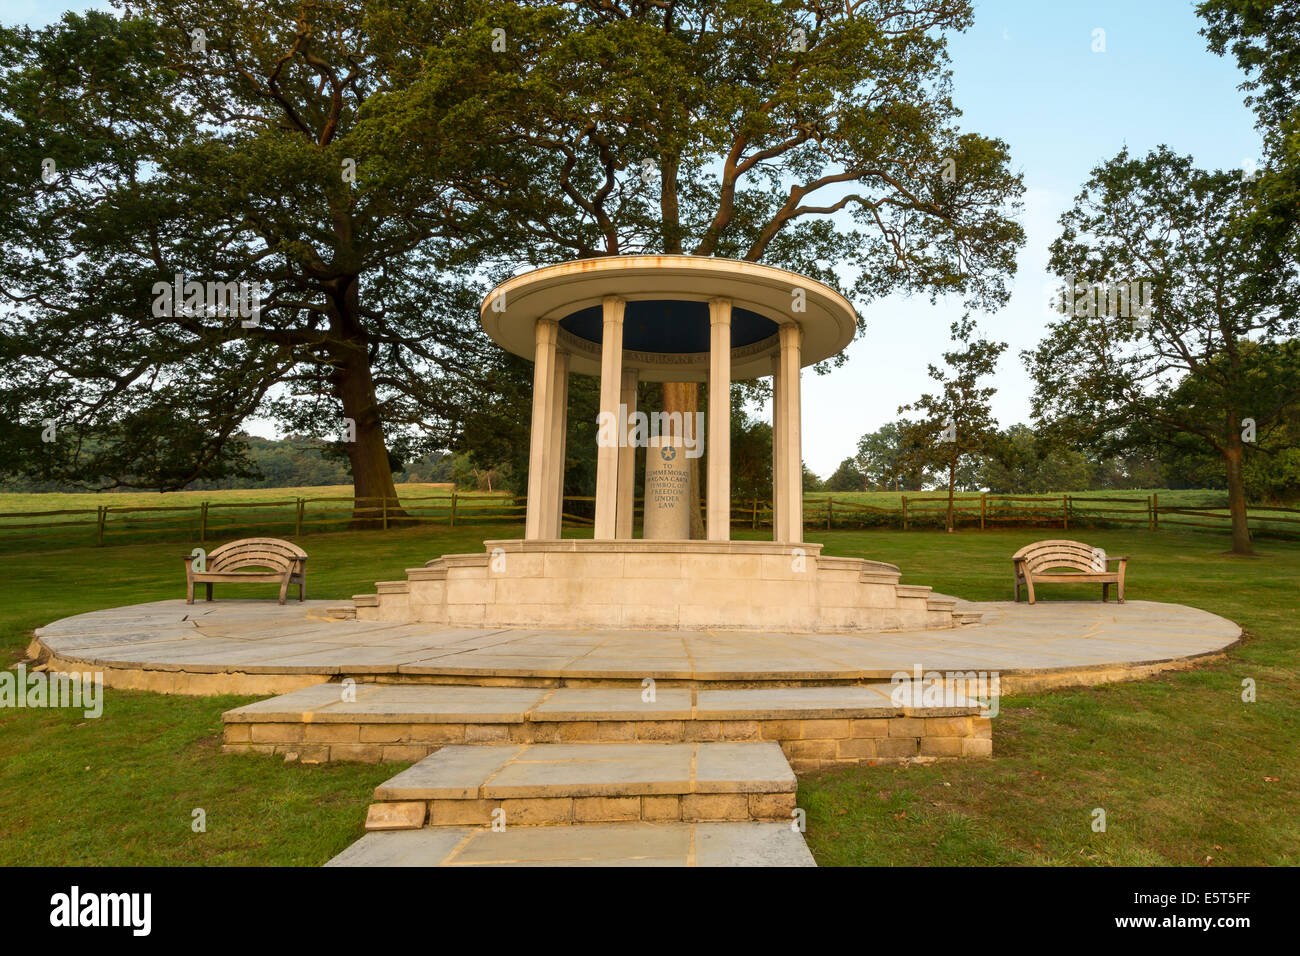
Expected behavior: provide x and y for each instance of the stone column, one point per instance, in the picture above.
(719, 431)
(539, 441)
(791, 440)
(780, 502)
(556, 447)
(611, 373)
(626, 524)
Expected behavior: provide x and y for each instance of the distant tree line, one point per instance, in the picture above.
(297, 462)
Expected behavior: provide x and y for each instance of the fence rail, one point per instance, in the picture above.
(218, 520)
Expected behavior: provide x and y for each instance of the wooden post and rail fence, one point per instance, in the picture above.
(218, 520)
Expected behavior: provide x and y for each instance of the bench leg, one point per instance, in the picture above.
(1017, 597)
(1120, 589)
(1105, 593)
(284, 589)
(1029, 586)
(189, 591)
(302, 589)
(209, 590)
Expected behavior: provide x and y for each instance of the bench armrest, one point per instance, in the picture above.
(1121, 558)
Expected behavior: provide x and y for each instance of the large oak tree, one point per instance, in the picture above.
(1191, 368)
(821, 138)
(226, 142)
(817, 137)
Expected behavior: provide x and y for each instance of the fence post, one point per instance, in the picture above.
(203, 523)
(297, 519)
(384, 506)
(1150, 526)
(1155, 512)
(452, 523)
(830, 511)
(99, 524)
(754, 521)
(1065, 512)
(983, 504)
(904, 499)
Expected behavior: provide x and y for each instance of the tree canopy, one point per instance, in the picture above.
(1179, 354)
(360, 172)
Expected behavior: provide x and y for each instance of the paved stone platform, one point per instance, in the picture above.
(816, 727)
(247, 646)
(549, 726)
(596, 844)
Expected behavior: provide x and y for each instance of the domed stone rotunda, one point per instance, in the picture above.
(626, 319)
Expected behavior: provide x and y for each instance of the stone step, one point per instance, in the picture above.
(543, 784)
(428, 572)
(596, 844)
(816, 726)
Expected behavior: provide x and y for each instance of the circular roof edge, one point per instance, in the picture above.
(510, 311)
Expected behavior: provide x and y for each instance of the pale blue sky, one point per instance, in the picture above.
(1025, 72)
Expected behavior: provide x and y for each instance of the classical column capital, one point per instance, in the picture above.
(720, 311)
(612, 307)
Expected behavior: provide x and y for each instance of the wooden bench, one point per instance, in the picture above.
(1079, 563)
(286, 562)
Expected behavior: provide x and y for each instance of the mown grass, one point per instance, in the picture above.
(50, 501)
(1187, 772)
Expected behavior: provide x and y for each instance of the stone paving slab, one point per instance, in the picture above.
(616, 703)
(264, 638)
(453, 773)
(591, 770)
(742, 768)
(118, 639)
(591, 844)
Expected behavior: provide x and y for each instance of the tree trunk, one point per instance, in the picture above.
(354, 387)
(372, 477)
(1237, 496)
(684, 397)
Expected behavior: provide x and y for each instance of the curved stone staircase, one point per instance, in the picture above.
(646, 584)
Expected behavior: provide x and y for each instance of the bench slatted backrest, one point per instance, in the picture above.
(1042, 555)
(255, 552)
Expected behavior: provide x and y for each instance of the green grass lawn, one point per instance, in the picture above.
(49, 501)
(1187, 773)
